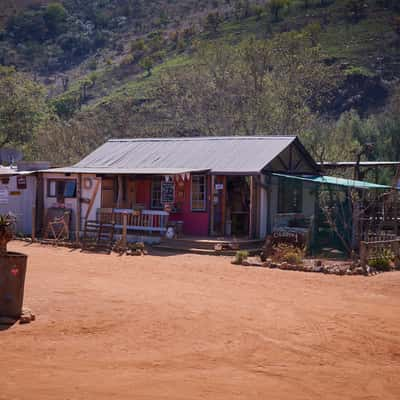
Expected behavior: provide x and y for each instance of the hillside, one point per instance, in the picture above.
(109, 67)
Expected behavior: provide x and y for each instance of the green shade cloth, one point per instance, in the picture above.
(332, 180)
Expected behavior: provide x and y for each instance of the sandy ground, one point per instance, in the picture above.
(197, 327)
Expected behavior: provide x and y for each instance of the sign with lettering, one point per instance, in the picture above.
(167, 192)
(3, 195)
(21, 182)
(293, 237)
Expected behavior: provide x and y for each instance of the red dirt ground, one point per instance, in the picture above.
(197, 327)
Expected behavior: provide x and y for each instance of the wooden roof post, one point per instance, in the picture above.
(252, 208)
(120, 191)
(212, 192)
(78, 208)
(33, 223)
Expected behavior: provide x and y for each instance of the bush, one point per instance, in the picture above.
(380, 264)
(383, 260)
(288, 253)
(241, 255)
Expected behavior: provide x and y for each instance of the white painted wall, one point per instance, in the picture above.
(70, 203)
(88, 189)
(20, 203)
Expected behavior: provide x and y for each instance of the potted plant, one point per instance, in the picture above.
(7, 225)
(12, 271)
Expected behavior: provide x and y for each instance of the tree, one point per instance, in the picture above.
(213, 22)
(147, 64)
(355, 9)
(257, 87)
(313, 30)
(276, 6)
(55, 17)
(22, 108)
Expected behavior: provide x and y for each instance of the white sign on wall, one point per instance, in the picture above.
(3, 195)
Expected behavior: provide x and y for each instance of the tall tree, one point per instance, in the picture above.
(22, 108)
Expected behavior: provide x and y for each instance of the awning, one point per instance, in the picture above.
(332, 180)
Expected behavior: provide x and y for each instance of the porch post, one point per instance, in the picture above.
(33, 223)
(212, 191)
(269, 225)
(78, 208)
(251, 208)
(223, 206)
(120, 191)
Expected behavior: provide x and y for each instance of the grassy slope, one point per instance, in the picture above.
(363, 46)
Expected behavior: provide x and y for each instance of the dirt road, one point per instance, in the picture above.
(197, 327)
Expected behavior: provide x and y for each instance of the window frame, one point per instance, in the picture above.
(65, 181)
(155, 180)
(288, 204)
(204, 208)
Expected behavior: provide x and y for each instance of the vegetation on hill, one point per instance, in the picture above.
(326, 70)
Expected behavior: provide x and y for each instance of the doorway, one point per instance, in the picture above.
(237, 206)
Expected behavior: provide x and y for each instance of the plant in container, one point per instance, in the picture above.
(12, 271)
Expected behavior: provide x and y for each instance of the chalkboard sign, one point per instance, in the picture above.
(167, 192)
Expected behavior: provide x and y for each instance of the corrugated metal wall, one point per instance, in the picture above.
(18, 201)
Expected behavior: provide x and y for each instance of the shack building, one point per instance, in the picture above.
(208, 186)
(203, 187)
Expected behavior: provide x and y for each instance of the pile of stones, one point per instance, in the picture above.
(131, 249)
(26, 317)
(339, 268)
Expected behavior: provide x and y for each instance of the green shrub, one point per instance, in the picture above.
(380, 264)
(240, 256)
(383, 260)
(288, 253)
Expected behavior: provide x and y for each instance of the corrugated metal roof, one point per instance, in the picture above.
(339, 164)
(333, 180)
(234, 154)
(129, 171)
(8, 171)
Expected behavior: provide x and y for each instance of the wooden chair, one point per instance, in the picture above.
(57, 226)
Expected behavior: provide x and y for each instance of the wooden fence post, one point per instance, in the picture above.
(396, 251)
(124, 230)
(33, 224)
(363, 254)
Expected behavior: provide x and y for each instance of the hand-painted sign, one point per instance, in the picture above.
(21, 182)
(3, 195)
(167, 192)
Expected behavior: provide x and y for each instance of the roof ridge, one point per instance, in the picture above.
(194, 138)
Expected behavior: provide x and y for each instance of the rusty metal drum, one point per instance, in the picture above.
(12, 282)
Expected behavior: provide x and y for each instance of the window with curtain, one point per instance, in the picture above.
(198, 196)
(290, 196)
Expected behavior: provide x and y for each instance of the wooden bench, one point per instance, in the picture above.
(148, 221)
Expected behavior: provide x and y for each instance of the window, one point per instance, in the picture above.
(156, 193)
(61, 188)
(290, 196)
(198, 198)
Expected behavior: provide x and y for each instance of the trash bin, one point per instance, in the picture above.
(12, 281)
